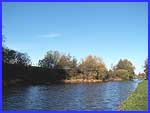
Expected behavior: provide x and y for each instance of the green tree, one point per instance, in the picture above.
(146, 68)
(50, 60)
(68, 63)
(55, 60)
(13, 57)
(122, 73)
(110, 73)
(126, 68)
(22, 58)
(9, 56)
(93, 67)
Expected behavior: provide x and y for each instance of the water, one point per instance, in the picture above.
(85, 96)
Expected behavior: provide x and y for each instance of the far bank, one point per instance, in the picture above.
(14, 74)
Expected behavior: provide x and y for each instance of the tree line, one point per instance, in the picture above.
(90, 67)
(14, 57)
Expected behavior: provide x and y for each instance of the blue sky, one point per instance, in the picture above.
(109, 30)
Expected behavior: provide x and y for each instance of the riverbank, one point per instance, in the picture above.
(15, 74)
(90, 80)
(138, 100)
(71, 81)
(80, 81)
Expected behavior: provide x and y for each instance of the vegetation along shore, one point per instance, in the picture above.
(57, 67)
(138, 100)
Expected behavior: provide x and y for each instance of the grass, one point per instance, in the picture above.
(138, 100)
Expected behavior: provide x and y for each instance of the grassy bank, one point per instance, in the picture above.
(138, 100)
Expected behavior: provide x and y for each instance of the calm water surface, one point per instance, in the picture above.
(85, 96)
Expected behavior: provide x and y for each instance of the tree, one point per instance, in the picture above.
(69, 64)
(55, 60)
(93, 67)
(13, 57)
(142, 76)
(146, 68)
(110, 73)
(122, 73)
(22, 58)
(123, 67)
(8, 55)
(50, 60)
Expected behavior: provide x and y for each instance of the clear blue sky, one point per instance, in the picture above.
(109, 30)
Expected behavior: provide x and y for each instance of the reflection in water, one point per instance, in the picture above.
(86, 96)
